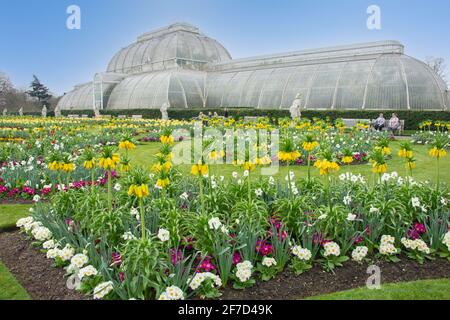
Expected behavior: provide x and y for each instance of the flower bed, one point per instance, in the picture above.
(162, 235)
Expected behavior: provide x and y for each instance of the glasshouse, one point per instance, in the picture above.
(181, 67)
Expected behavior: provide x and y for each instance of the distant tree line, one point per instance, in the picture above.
(31, 100)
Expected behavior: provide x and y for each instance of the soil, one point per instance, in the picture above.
(44, 282)
(16, 201)
(287, 286)
(33, 270)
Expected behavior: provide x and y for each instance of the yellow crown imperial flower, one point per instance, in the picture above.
(199, 169)
(249, 166)
(379, 167)
(325, 166)
(67, 167)
(127, 145)
(289, 156)
(403, 153)
(386, 150)
(54, 166)
(109, 163)
(310, 146)
(410, 165)
(167, 140)
(89, 164)
(140, 191)
(162, 183)
(438, 153)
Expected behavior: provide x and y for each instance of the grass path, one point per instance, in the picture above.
(426, 166)
(10, 288)
(417, 290)
(10, 213)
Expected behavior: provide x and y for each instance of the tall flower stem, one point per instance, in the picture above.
(141, 205)
(309, 167)
(289, 178)
(109, 191)
(202, 201)
(438, 174)
(329, 193)
(92, 180)
(248, 189)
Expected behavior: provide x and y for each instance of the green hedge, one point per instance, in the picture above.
(412, 118)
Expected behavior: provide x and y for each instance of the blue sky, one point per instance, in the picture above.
(34, 38)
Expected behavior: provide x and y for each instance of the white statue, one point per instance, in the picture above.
(57, 111)
(164, 108)
(97, 110)
(44, 112)
(21, 111)
(295, 108)
(5, 112)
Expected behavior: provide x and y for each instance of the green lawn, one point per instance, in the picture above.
(417, 290)
(10, 289)
(426, 166)
(10, 213)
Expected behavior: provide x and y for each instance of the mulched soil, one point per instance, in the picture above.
(287, 286)
(33, 270)
(45, 282)
(15, 201)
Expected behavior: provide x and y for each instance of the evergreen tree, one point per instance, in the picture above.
(39, 91)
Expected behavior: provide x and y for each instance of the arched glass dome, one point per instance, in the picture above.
(179, 45)
(80, 98)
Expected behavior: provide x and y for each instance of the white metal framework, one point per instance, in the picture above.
(182, 66)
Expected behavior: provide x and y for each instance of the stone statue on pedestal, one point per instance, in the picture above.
(164, 108)
(295, 108)
(21, 111)
(44, 112)
(57, 111)
(5, 112)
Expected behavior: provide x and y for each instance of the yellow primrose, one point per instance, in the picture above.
(347, 159)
